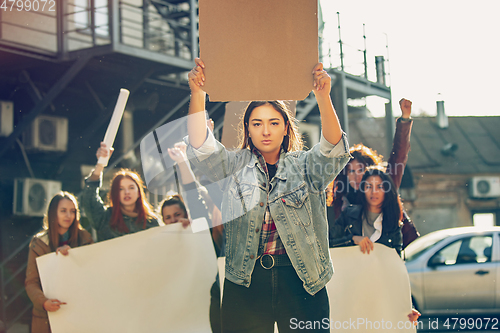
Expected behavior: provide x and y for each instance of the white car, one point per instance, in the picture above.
(455, 271)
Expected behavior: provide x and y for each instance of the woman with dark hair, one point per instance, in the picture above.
(61, 231)
(344, 190)
(128, 210)
(277, 256)
(173, 210)
(376, 219)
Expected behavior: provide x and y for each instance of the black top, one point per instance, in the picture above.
(271, 170)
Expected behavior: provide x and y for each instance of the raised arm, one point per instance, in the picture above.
(102, 151)
(193, 197)
(332, 152)
(91, 201)
(401, 143)
(196, 196)
(330, 124)
(197, 126)
(178, 155)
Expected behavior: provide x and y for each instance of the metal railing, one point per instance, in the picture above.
(158, 26)
(155, 25)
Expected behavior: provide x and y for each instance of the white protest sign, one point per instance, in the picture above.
(154, 281)
(367, 293)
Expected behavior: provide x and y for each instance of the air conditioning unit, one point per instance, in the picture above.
(310, 134)
(6, 118)
(484, 187)
(47, 133)
(32, 196)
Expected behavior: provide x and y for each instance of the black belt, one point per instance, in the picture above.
(268, 261)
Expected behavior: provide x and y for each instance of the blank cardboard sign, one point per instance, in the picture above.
(258, 49)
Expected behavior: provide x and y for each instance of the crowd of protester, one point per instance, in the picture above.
(272, 194)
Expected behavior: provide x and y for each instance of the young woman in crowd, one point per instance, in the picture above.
(173, 210)
(376, 219)
(61, 231)
(277, 257)
(344, 190)
(128, 210)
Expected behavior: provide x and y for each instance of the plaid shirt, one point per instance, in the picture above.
(270, 241)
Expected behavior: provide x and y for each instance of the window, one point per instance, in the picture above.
(476, 249)
(83, 16)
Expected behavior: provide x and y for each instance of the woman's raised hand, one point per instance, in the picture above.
(405, 106)
(102, 151)
(364, 243)
(52, 305)
(322, 82)
(196, 76)
(178, 153)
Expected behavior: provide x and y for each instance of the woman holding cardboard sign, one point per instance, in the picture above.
(378, 218)
(277, 258)
(62, 231)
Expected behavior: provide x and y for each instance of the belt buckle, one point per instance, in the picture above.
(263, 264)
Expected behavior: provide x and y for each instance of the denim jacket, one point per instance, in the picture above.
(296, 199)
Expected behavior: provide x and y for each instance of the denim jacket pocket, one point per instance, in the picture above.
(298, 205)
(243, 198)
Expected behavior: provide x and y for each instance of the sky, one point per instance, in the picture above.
(437, 50)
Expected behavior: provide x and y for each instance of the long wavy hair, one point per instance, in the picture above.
(364, 155)
(292, 140)
(51, 224)
(142, 207)
(392, 208)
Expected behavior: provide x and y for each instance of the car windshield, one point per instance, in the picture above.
(420, 245)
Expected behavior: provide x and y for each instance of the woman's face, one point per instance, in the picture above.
(172, 214)
(267, 128)
(66, 214)
(374, 193)
(355, 172)
(129, 192)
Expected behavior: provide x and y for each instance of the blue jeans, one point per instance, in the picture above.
(275, 295)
